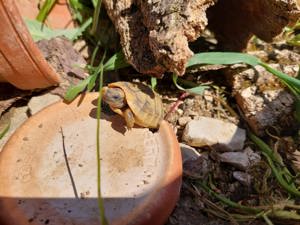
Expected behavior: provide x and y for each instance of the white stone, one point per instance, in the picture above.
(208, 96)
(39, 102)
(180, 112)
(213, 132)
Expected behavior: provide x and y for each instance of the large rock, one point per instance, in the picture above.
(262, 99)
(213, 132)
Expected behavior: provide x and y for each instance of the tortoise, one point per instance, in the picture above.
(136, 102)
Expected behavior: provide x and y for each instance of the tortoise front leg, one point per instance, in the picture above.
(129, 118)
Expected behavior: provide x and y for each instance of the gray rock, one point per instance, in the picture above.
(213, 132)
(242, 177)
(201, 167)
(188, 153)
(253, 156)
(15, 117)
(239, 160)
(39, 102)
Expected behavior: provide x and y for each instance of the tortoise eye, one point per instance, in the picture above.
(116, 97)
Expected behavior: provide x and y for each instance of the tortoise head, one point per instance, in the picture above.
(114, 96)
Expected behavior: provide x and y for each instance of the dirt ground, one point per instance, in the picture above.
(218, 101)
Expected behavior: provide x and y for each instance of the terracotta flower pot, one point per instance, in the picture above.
(22, 64)
(48, 171)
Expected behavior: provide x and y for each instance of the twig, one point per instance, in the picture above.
(67, 163)
(176, 104)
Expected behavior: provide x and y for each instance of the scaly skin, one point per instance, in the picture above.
(115, 97)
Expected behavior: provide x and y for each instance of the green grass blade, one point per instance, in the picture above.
(153, 82)
(88, 83)
(227, 201)
(73, 91)
(117, 61)
(78, 31)
(98, 133)
(4, 131)
(92, 81)
(293, 82)
(45, 10)
(94, 3)
(195, 90)
(224, 58)
(94, 76)
(96, 17)
(77, 7)
(39, 31)
(278, 168)
(96, 49)
(295, 41)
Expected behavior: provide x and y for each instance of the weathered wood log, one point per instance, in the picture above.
(155, 33)
(171, 25)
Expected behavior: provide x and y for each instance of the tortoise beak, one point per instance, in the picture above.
(103, 91)
(104, 94)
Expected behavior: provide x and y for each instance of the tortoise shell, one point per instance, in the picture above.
(145, 104)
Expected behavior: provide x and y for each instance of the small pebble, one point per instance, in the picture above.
(188, 153)
(208, 97)
(182, 121)
(242, 177)
(253, 156)
(239, 160)
(179, 111)
(189, 102)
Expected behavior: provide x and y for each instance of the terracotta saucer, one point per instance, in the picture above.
(48, 170)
